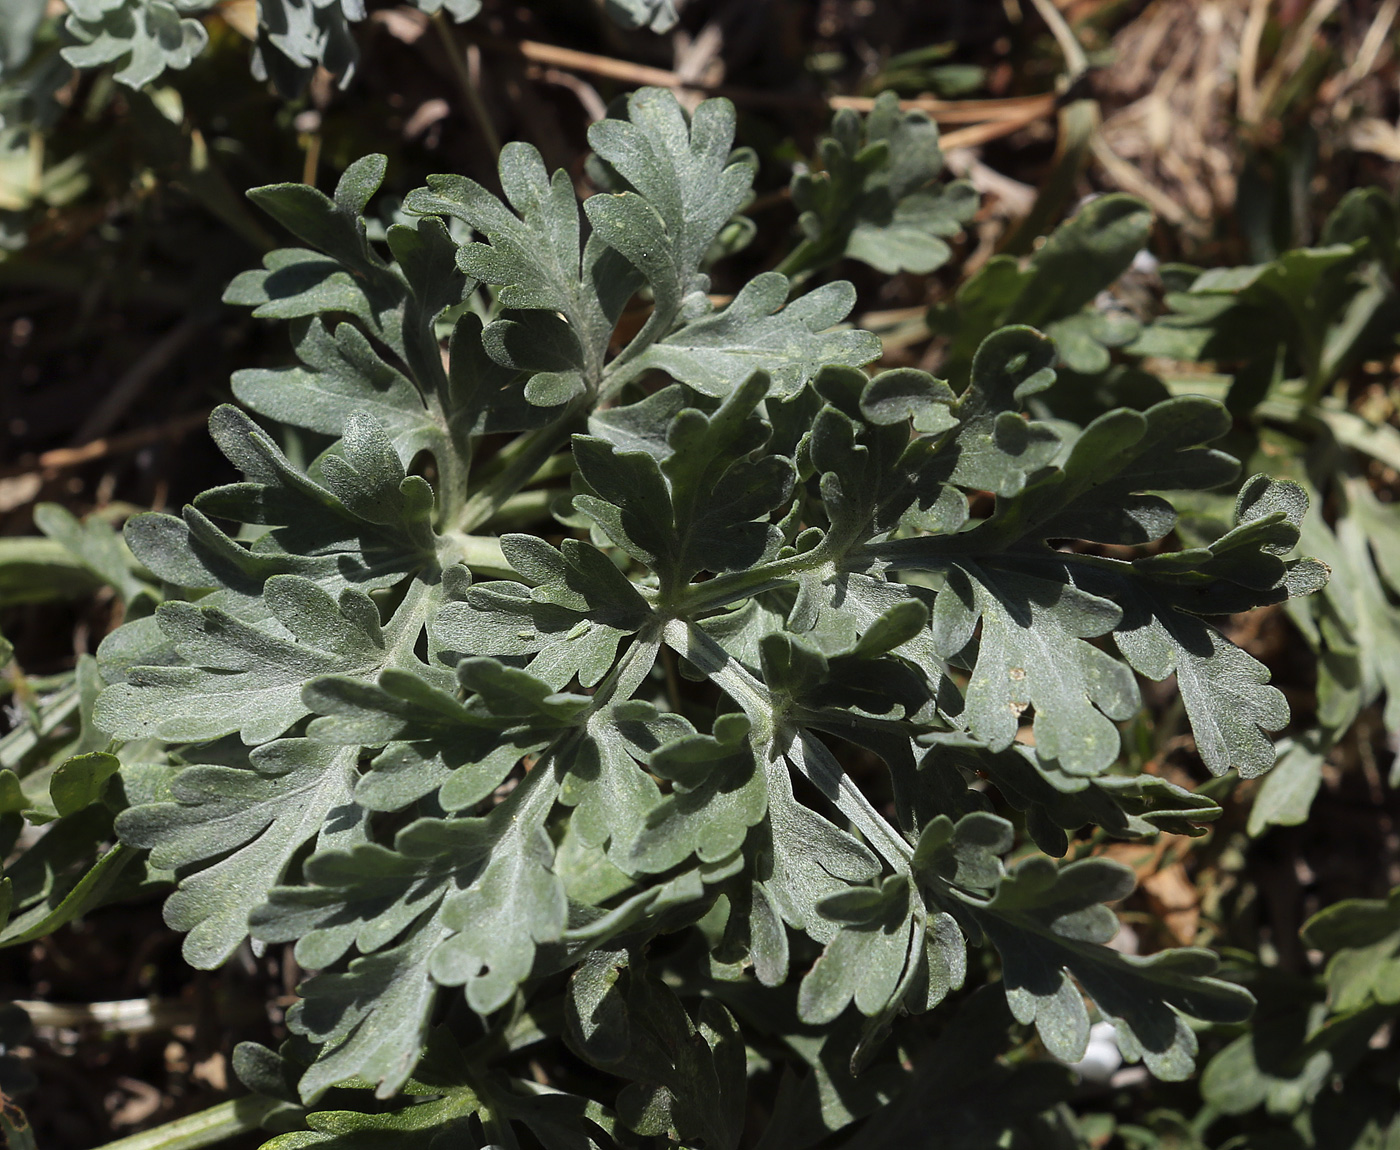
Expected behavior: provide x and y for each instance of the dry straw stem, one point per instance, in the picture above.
(126, 1016)
(1166, 135)
(1247, 98)
(1288, 61)
(61, 458)
(1076, 62)
(1130, 179)
(1371, 44)
(1189, 75)
(1017, 110)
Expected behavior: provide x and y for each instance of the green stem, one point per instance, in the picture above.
(631, 670)
(555, 467)
(523, 509)
(1078, 127)
(820, 767)
(524, 458)
(809, 758)
(715, 663)
(470, 93)
(481, 553)
(937, 552)
(697, 598)
(62, 705)
(404, 627)
(206, 1128)
(1310, 354)
(450, 487)
(807, 257)
(1340, 342)
(615, 377)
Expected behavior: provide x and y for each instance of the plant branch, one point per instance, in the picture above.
(207, 1128)
(820, 767)
(698, 598)
(631, 670)
(1076, 62)
(64, 457)
(1012, 108)
(406, 624)
(525, 456)
(812, 760)
(482, 553)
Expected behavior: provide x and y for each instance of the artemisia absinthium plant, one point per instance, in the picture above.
(589, 791)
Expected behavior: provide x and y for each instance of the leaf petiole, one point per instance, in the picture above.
(527, 454)
(207, 1128)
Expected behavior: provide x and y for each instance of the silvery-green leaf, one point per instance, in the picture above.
(718, 793)
(251, 819)
(1049, 923)
(873, 198)
(537, 255)
(145, 36)
(685, 1073)
(239, 677)
(682, 188)
(759, 330)
(1055, 289)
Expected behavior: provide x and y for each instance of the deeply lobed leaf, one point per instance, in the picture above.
(474, 764)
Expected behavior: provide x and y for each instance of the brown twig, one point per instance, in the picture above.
(985, 132)
(593, 105)
(1016, 198)
(1018, 109)
(61, 458)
